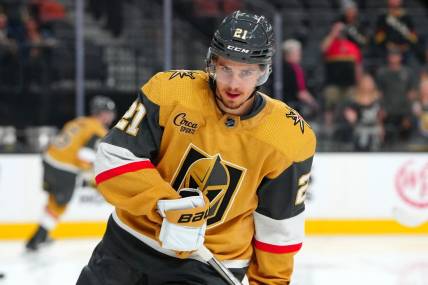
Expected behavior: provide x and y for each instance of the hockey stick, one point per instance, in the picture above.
(225, 273)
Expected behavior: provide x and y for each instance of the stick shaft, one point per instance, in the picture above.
(222, 270)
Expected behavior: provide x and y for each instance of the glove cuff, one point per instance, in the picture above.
(180, 238)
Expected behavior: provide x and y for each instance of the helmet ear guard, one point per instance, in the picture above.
(267, 70)
(210, 64)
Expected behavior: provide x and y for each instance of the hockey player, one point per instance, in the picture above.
(71, 152)
(204, 158)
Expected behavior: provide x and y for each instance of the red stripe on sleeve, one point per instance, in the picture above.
(130, 167)
(277, 248)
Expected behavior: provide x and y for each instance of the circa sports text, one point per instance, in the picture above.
(185, 125)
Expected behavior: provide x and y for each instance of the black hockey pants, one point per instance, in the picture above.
(121, 259)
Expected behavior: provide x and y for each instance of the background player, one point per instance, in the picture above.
(243, 157)
(71, 152)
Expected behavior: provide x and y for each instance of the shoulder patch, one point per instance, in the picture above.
(297, 119)
(177, 86)
(287, 131)
(182, 74)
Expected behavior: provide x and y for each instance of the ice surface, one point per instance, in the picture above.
(368, 260)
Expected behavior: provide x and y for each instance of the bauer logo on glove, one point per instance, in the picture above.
(184, 220)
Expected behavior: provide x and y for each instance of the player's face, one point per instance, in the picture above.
(107, 118)
(394, 58)
(423, 90)
(295, 56)
(394, 3)
(351, 13)
(367, 84)
(235, 82)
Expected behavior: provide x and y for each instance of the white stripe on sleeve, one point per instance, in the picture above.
(279, 232)
(110, 156)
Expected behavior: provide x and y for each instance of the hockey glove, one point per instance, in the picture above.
(184, 220)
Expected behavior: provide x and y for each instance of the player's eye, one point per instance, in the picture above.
(224, 71)
(224, 68)
(247, 73)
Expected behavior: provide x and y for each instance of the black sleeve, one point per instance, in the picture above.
(278, 197)
(146, 141)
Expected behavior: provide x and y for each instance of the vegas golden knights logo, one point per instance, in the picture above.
(219, 180)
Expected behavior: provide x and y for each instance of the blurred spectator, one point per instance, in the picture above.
(295, 93)
(423, 71)
(342, 68)
(396, 82)
(215, 8)
(18, 33)
(229, 6)
(395, 29)
(34, 48)
(113, 12)
(204, 8)
(364, 117)
(355, 30)
(40, 69)
(8, 53)
(420, 111)
(96, 9)
(40, 46)
(44, 13)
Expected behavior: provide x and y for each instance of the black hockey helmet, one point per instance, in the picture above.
(101, 103)
(243, 37)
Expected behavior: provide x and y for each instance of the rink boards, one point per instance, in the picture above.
(349, 194)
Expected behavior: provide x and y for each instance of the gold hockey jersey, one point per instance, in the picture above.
(73, 148)
(254, 169)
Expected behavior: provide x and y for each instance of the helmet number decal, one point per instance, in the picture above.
(240, 34)
(132, 119)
